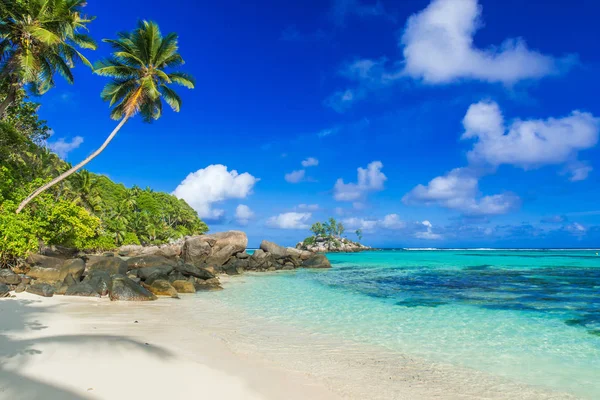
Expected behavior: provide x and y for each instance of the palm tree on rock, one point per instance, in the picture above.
(140, 81)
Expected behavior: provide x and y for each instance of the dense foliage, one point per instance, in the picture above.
(38, 40)
(331, 230)
(86, 211)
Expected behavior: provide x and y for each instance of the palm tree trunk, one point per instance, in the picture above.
(10, 98)
(75, 168)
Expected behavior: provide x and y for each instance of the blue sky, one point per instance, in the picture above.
(444, 123)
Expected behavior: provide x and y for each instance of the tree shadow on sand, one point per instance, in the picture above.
(19, 316)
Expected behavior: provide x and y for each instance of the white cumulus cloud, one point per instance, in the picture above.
(459, 190)
(243, 214)
(438, 48)
(310, 162)
(531, 143)
(390, 221)
(295, 176)
(290, 220)
(370, 179)
(62, 147)
(525, 144)
(428, 233)
(393, 222)
(214, 184)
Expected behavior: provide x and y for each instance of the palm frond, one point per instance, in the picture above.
(182, 79)
(138, 67)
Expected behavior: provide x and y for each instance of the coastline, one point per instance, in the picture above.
(198, 344)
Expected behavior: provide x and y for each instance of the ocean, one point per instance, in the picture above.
(531, 316)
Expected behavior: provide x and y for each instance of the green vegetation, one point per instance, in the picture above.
(330, 232)
(139, 83)
(38, 38)
(359, 234)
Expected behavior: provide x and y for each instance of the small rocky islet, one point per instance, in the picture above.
(144, 273)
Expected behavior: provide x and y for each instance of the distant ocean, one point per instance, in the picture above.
(529, 315)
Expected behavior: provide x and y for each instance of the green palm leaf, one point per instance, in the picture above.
(139, 68)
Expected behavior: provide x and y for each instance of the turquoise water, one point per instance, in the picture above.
(532, 316)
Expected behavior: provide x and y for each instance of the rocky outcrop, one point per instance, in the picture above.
(59, 252)
(41, 289)
(272, 257)
(46, 275)
(209, 284)
(74, 267)
(82, 289)
(321, 244)
(100, 281)
(4, 290)
(170, 250)
(8, 277)
(162, 287)
(38, 260)
(147, 273)
(273, 249)
(184, 286)
(147, 261)
(141, 274)
(197, 272)
(317, 261)
(124, 289)
(215, 249)
(111, 265)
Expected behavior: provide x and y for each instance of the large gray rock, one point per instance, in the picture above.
(162, 287)
(145, 273)
(274, 249)
(171, 250)
(111, 265)
(197, 272)
(260, 260)
(21, 287)
(44, 274)
(68, 282)
(218, 247)
(41, 289)
(221, 257)
(8, 277)
(176, 276)
(184, 286)
(299, 254)
(206, 285)
(82, 289)
(317, 261)
(58, 251)
(235, 266)
(4, 290)
(196, 250)
(38, 260)
(149, 261)
(99, 280)
(124, 289)
(73, 267)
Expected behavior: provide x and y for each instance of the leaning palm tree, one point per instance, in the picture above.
(39, 38)
(140, 82)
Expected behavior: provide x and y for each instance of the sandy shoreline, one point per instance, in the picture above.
(79, 348)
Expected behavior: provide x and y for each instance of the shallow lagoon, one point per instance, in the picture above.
(532, 316)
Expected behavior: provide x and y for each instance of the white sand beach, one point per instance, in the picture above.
(79, 348)
(75, 348)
